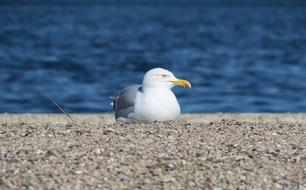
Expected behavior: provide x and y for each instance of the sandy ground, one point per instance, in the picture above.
(212, 151)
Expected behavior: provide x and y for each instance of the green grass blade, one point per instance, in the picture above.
(61, 109)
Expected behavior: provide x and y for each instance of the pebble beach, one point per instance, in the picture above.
(198, 151)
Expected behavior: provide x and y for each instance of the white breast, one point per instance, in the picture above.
(157, 104)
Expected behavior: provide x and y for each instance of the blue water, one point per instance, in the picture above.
(238, 59)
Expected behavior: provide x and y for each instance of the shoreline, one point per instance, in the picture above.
(108, 118)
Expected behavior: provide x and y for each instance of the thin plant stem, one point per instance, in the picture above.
(61, 109)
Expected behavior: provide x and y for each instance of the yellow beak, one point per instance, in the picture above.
(181, 82)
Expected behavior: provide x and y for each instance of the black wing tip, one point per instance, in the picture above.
(114, 99)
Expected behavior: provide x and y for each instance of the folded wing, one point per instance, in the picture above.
(123, 104)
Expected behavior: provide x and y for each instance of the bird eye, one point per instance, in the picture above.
(164, 75)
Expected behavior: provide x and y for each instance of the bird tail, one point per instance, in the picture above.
(113, 103)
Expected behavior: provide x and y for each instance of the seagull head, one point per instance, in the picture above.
(162, 78)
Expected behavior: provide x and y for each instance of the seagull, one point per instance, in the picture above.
(151, 101)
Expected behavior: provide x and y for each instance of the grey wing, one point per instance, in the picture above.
(124, 102)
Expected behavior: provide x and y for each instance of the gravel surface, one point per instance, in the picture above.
(204, 151)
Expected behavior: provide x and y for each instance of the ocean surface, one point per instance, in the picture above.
(238, 58)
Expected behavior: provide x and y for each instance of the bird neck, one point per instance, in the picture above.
(155, 89)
